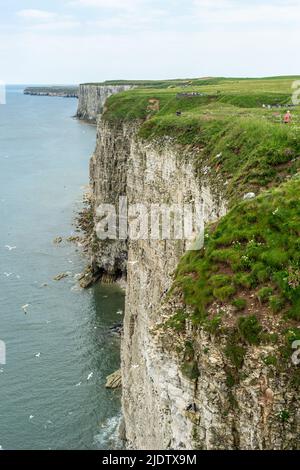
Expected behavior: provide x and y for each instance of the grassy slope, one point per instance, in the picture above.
(251, 257)
(254, 249)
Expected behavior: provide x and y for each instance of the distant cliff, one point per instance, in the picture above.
(92, 98)
(61, 91)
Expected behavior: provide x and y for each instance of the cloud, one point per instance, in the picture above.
(192, 38)
(233, 11)
(214, 4)
(110, 4)
(36, 14)
(43, 21)
(125, 21)
(57, 26)
(36, 58)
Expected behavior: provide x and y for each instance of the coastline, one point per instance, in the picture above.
(58, 91)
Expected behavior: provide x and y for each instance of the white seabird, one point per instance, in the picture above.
(25, 307)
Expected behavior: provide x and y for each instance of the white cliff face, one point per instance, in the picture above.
(162, 407)
(92, 98)
(108, 173)
(155, 393)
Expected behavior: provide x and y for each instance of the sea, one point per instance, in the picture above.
(56, 345)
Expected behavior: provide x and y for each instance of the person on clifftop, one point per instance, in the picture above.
(287, 118)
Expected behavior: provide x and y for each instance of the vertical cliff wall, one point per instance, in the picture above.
(92, 98)
(155, 393)
(183, 388)
(108, 173)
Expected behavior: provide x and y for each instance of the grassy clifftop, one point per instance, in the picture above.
(225, 124)
(240, 93)
(234, 129)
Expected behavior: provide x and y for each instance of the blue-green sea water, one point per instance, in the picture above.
(52, 393)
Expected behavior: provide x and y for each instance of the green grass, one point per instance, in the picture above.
(264, 294)
(227, 130)
(271, 361)
(250, 329)
(235, 351)
(154, 83)
(239, 304)
(255, 249)
(249, 153)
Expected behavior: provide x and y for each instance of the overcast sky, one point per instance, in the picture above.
(73, 41)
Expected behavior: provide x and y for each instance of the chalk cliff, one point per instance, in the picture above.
(181, 387)
(92, 98)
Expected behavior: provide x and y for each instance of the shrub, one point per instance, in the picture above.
(276, 303)
(270, 361)
(189, 367)
(230, 379)
(234, 351)
(284, 416)
(295, 378)
(275, 258)
(236, 354)
(239, 304)
(213, 325)
(250, 329)
(243, 280)
(220, 280)
(264, 294)
(177, 322)
(294, 311)
(190, 370)
(224, 293)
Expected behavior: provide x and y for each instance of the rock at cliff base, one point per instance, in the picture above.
(74, 239)
(61, 276)
(114, 380)
(88, 278)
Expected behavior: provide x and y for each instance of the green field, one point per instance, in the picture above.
(228, 119)
(240, 93)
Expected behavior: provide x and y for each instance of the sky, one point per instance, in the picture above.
(76, 41)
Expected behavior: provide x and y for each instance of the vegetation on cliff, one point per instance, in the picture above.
(251, 257)
(246, 279)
